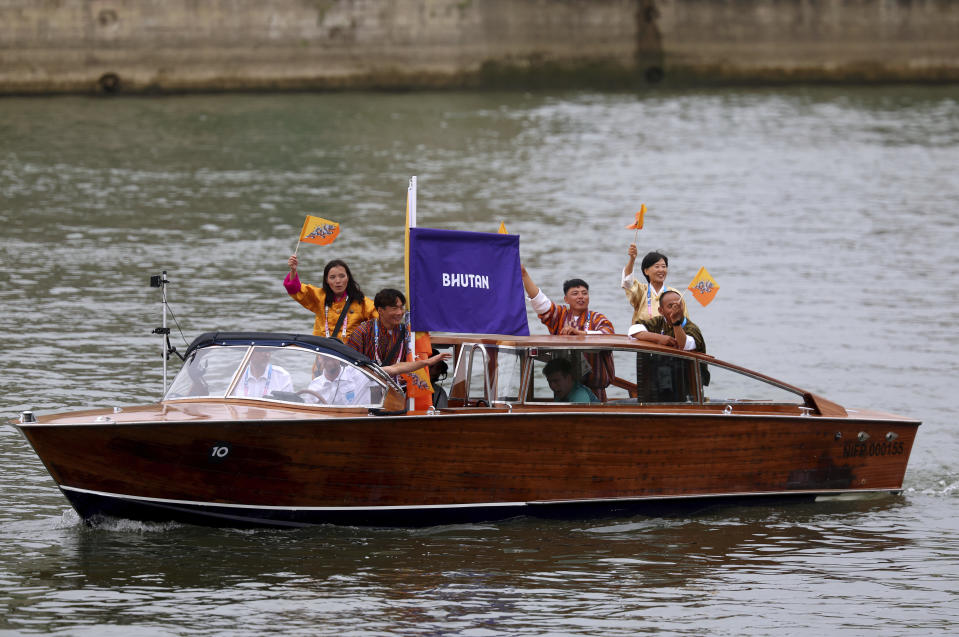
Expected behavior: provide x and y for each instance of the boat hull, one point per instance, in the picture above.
(424, 470)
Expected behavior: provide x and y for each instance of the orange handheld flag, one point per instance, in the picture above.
(638, 223)
(418, 385)
(319, 231)
(703, 287)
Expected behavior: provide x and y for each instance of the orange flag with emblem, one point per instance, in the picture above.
(319, 231)
(704, 287)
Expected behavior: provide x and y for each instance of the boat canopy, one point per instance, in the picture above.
(275, 339)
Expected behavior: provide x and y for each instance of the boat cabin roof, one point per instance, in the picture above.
(277, 339)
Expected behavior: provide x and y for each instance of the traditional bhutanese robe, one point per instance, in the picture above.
(643, 298)
(379, 344)
(659, 325)
(556, 316)
(313, 298)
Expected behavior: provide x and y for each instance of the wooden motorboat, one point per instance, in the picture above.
(676, 429)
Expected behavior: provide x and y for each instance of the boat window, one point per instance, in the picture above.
(623, 386)
(297, 375)
(730, 386)
(625, 375)
(509, 374)
(494, 374)
(661, 378)
(472, 366)
(586, 366)
(207, 372)
(289, 374)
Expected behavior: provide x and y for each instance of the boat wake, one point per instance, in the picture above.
(117, 525)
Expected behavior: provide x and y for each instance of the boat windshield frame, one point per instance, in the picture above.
(351, 361)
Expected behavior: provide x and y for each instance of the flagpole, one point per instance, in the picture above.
(299, 239)
(410, 223)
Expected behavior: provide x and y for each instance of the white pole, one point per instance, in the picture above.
(411, 204)
(165, 335)
(412, 196)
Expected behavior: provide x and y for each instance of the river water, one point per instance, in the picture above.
(827, 215)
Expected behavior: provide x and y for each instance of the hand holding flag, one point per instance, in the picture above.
(703, 287)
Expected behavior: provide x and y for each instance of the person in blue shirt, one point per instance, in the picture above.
(559, 375)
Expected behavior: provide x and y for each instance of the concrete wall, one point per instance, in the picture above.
(184, 45)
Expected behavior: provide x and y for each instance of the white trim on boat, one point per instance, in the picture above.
(264, 507)
(533, 503)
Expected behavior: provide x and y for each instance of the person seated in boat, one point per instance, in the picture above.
(559, 376)
(262, 378)
(575, 318)
(644, 297)
(384, 339)
(671, 327)
(337, 384)
(339, 304)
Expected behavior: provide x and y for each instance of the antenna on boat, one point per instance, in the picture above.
(160, 281)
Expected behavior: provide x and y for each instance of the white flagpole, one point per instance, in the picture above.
(411, 204)
(412, 196)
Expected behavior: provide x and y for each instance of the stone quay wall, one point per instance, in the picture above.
(162, 46)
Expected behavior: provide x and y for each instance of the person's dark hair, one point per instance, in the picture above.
(353, 291)
(650, 259)
(560, 365)
(574, 283)
(387, 298)
(668, 292)
(439, 369)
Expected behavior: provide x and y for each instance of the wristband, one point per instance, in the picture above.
(681, 323)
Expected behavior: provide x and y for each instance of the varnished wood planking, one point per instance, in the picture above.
(443, 460)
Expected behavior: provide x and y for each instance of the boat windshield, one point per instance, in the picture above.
(288, 374)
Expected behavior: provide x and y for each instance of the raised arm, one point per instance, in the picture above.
(531, 289)
(292, 280)
(631, 261)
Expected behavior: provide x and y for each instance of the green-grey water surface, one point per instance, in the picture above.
(827, 215)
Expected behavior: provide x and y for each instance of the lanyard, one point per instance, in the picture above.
(584, 322)
(376, 345)
(249, 377)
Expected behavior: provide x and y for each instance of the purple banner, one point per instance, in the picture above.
(466, 282)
